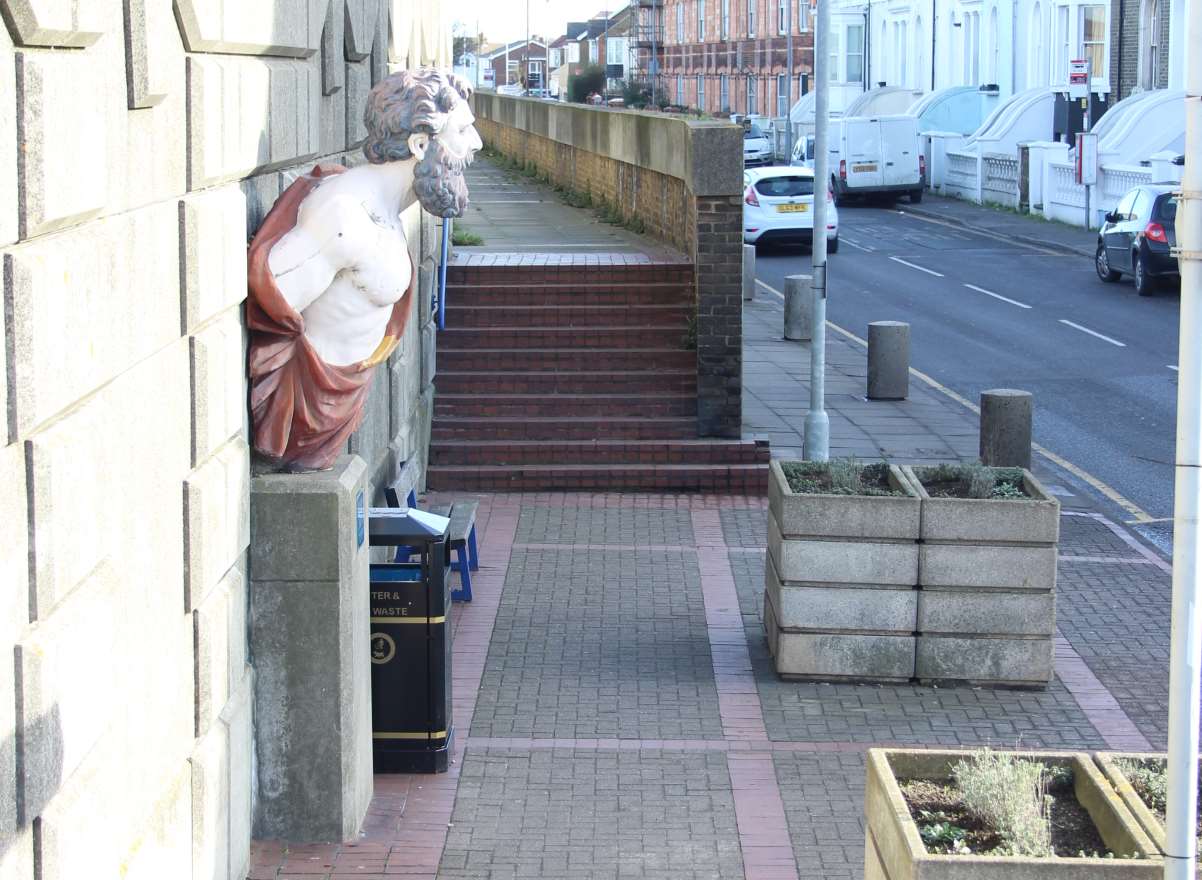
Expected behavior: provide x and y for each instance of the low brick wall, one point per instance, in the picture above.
(682, 179)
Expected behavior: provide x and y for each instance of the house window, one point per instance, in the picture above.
(751, 18)
(903, 73)
(679, 89)
(753, 103)
(1093, 39)
(701, 21)
(972, 48)
(782, 7)
(832, 57)
(725, 19)
(1150, 48)
(680, 22)
(724, 93)
(803, 15)
(1061, 52)
(782, 104)
(855, 53)
(701, 92)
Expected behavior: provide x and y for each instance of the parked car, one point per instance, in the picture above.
(1138, 237)
(778, 207)
(870, 155)
(757, 148)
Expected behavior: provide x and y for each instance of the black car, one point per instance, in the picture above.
(1138, 238)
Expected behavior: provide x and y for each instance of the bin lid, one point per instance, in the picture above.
(390, 526)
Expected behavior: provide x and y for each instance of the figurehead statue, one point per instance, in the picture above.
(331, 282)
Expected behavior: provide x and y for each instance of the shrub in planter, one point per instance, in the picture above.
(841, 570)
(1141, 780)
(987, 575)
(998, 816)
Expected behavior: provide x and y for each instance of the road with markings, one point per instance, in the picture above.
(987, 312)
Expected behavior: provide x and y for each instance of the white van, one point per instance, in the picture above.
(871, 154)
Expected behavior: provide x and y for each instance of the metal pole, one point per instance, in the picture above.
(816, 445)
(1185, 663)
(654, 58)
(789, 81)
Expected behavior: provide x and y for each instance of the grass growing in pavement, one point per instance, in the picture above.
(463, 237)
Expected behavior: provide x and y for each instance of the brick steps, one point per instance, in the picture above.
(555, 295)
(580, 428)
(744, 479)
(555, 359)
(644, 336)
(562, 382)
(575, 452)
(595, 275)
(627, 315)
(595, 406)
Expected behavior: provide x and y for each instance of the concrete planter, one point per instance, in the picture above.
(840, 599)
(893, 849)
(1147, 819)
(987, 596)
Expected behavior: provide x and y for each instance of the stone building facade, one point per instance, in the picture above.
(150, 138)
(729, 56)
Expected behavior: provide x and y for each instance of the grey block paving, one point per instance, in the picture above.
(600, 643)
(593, 815)
(744, 528)
(1083, 536)
(903, 713)
(823, 795)
(604, 525)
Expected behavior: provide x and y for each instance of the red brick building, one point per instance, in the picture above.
(729, 56)
(519, 63)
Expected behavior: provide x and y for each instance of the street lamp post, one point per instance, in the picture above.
(789, 78)
(816, 443)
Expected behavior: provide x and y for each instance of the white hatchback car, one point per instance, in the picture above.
(778, 207)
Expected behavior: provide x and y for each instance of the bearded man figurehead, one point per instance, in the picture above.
(424, 114)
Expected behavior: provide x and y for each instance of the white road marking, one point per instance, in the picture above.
(859, 247)
(770, 288)
(1093, 333)
(1171, 367)
(919, 268)
(1007, 299)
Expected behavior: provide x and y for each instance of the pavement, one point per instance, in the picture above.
(616, 712)
(1009, 225)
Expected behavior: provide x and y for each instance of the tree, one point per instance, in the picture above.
(464, 45)
(591, 78)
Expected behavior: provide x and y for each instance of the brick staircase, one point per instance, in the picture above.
(559, 374)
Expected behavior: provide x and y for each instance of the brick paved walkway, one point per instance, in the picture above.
(617, 716)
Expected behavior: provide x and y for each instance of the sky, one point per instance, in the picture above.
(502, 20)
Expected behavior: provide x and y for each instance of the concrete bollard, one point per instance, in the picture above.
(888, 360)
(748, 272)
(1006, 427)
(799, 311)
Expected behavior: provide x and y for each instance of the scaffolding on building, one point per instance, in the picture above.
(647, 42)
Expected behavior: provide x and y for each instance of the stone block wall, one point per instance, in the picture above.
(149, 139)
(682, 179)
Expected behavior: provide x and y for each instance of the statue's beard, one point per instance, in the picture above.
(439, 183)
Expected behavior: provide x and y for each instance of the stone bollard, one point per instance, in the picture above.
(799, 311)
(1006, 427)
(748, 272)
(888, 360)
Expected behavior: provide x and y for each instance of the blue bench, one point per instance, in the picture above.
(461, 538)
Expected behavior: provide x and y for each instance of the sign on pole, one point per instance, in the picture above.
(1087, 158)
(1078, 78)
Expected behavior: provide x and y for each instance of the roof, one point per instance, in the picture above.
(515, 46)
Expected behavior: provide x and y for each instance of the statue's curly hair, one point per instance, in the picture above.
(407, 102)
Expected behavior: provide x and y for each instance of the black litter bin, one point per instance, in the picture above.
(410, 644)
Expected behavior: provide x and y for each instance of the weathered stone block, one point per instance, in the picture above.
(148, 67)
(429, 342)
(237, 718)
(111, 286)
(838, 655)
(362, 17)
(218, 361)
(8, 147)
(358, 84)
(842, 561)
(1006, 567)
(164, 846)
(844, 516)
(68, 668)
(985, 660)
(850, 608)
(14, 617)
(211, 805)
(59, 92)
(16, 854)
(235, 584)
(81, 833)
(986, 612)
(217, 513)
(54, 23)
(260, 191)
(211, 622)
(333, 51)
(371, 440)
(290, 28)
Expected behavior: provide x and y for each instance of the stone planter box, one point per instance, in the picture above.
(987, 587)
(1147, 819)
(840, 599)
(893, 849)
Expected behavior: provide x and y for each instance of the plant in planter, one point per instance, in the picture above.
(990, 815)
(987, 575)
(1141, 780)
(841, 570)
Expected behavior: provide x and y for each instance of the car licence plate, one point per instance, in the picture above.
(792, 209)
(871, 166)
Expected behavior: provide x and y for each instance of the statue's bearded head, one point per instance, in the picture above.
(424, 114)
